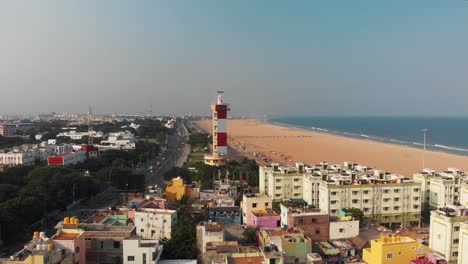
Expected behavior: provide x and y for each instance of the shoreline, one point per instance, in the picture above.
(288, 144)
(454, 150)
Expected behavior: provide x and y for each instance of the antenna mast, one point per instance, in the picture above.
(90, 126)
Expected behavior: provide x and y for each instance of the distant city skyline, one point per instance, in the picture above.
(404, 58)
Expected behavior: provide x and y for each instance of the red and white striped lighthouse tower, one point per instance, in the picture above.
(219, 113)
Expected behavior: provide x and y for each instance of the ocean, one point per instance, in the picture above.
(445, 134)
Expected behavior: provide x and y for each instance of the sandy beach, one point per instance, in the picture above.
(288, 145)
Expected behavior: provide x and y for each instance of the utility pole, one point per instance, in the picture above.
(424, 145)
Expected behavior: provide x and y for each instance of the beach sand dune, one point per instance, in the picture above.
(288, 145)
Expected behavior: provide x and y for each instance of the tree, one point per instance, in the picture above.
(249, 234)
(357, 214)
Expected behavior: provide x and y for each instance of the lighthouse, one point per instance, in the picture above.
(219, 112)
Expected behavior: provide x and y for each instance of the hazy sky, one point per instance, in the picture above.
(311, 57)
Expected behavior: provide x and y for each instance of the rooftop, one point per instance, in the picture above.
(66, 236)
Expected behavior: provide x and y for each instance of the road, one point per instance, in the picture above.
(175, 154)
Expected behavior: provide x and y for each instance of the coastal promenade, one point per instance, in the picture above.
(268, 142)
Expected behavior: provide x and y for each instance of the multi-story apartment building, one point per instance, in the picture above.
(141, 251)
(440, 188)
(444, 234)
(155, 223)
(8, 130)
(388, 199)
(464, 194)
(299, 182)
(253, 202)
(463, 245)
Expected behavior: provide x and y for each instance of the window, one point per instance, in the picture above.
(296, 187)
(317, 231)
(266, 204)
(333, 202)
(366, 210)
(77, 250)
(102, 244)
(277, 195)
(396, 199)
(396, 208)
(278, 180)
(153, 232)
(116, 244)
(333, 193)
(455, 254)
(254, 205)
(144, 258)
(341, 230)
(416, 198)
(415, 206)
(455, 241)
(301, 221)
(456, 229)
(278, 187)
(296, 179)
(355, 201)
(366, 200)
(396, 190)
(314, 220)
(366, 192)
(333, 211)
(389, 255)
(386, 200)
(131, 258)
(142, 230)
(355, 192)
(385, 191)
(416, 190)
(385, 208)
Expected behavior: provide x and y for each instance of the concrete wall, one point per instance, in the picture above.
(344, 229)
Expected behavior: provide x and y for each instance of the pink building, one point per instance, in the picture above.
(264, 218)
(73, 240)
(431, 258)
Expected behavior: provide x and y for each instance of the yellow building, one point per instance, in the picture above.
(394, 249)
(175, 190)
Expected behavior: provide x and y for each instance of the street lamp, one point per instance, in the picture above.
(425, 130)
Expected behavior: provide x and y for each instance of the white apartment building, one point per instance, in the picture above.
(445, 227)
(463, 245)
(15, 158)
(141, 251)
(121, 140)
(464, 194)
(208, 232)
(285, 183)
(74, 135)
(155, 223)
(440, 188)
(384, 198)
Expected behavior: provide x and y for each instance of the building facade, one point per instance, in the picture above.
(439, 189)
(254, 201)
(208, 232)
(141, 251)
(393, 249)
(445, 226)
(155, 223)
(387, 199)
